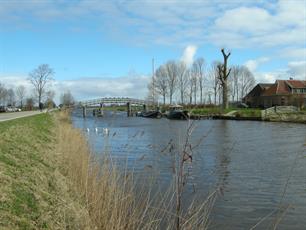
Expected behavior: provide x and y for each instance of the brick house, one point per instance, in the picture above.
(282, 92)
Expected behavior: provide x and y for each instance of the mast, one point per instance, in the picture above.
(153, 79)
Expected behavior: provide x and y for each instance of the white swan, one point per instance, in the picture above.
(87, 130)
(96, 130)
(105, 131)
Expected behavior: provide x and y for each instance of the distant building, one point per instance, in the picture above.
(282, 92)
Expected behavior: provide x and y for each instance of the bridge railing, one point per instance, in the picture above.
(114, 100)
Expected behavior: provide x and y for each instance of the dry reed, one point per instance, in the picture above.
(110, 195)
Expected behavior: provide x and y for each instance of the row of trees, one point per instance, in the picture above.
(11, 97)
(40, 78)
(200, 83)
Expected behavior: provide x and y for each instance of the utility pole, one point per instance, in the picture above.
(153, 79)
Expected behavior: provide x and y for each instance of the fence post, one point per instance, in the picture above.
(84, 111)
(128, 109)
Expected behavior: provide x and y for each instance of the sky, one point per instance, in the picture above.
(103, 48)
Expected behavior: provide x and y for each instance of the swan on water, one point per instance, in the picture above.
(105, 131)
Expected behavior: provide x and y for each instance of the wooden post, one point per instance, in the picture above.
(128, 109)
(101, 109)
(84, 111)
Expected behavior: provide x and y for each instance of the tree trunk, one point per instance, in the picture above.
(224, 96)
(223, 74)
(182, 97)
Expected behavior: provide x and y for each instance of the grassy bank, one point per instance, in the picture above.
(50, 180)
(239, 112)
(33, 192)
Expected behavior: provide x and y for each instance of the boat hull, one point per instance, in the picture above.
(178, 115)
(152, 114)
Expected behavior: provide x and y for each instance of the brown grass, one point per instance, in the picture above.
(110, 196)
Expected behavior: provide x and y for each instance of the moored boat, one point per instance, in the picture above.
(152, 114)
(177, 112)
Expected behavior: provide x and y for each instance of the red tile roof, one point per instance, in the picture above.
(281, 87)
(270, 91)
(296, 84)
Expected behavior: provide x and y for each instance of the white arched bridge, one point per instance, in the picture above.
(114, 100)
(129, 102)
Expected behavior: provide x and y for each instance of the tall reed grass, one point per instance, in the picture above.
(110, 195)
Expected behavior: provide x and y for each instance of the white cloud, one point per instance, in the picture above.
(297, 69)
(254, 63)
(278, 25)
(232, 24)
(188, 54)
(268, 77)
(13, 81)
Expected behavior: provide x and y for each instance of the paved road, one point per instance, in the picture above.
(15, 115)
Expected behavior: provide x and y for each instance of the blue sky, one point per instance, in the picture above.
(105, 48)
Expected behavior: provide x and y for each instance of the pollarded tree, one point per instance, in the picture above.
(39, 78)
(223, 76)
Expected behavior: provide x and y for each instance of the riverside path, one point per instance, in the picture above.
(15, 115)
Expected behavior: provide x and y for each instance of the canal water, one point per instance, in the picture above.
(255, 166)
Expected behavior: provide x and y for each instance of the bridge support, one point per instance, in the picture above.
(84, 111)
(129, 112)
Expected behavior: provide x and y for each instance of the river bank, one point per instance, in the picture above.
(35, 194)
(50, 180)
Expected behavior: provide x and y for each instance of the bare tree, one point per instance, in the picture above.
(11, 97)
(198, 68)
(223, 76)
(182, 79)
(171, 68)
(3, 94)
(67, 99)
(50, 99)
(39, 78)
(152, 93)
(214, 80)
(233, 85)
(246, 81)
(194, 83)
(29, 103)
(20, 92)
(161, 83)
(189, 85)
